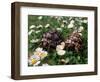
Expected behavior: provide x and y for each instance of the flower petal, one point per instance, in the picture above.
(32, 26)
(60, 47)
(70, 25)
(61, 52)
(39, 49)
(40, 17)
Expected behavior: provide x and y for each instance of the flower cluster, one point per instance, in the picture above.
(38, 55)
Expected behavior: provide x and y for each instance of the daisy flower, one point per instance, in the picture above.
(33, 59)
(32, 26)
(39, 49)
(47, 25)
(72, 22)
(80, 34)
(39, 26)
(85, 21)
(40, 17)
(37, 56)
(81, 28)
(65, 60)
(62, 25)
(65, 21)
(34, 40)
(59, 29)
(70, 25)
(37, 31)
(41, 53)
(60, 48)
(30, 32)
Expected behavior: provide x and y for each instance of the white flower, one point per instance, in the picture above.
(34, 62)
(32, 26)
(62, 60)
(59, 29)
(61, 52)
(40, 52)
(43, 54)
(63, 43)
(40, 17)
(30, 32)
(62, 25)
(37, 31)
(39, 26)
(72, 22)
(60, 47)
(34, 40)
(65, 60)
(80, 34)
(47, 25)
(70, 25)
(39, 49)
(33, 59)
(80, 29)
(85, 21)
(65, 21)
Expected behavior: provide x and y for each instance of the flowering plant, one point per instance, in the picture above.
(57, 40)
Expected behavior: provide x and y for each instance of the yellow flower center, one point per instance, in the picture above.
(33, 61)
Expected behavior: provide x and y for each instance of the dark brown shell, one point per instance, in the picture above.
(51, 39)
(74, 41)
